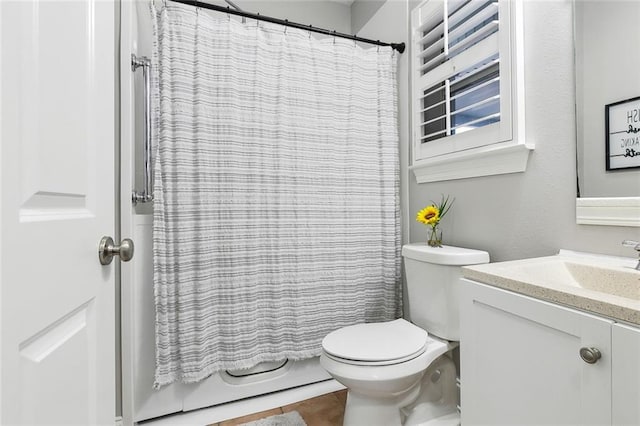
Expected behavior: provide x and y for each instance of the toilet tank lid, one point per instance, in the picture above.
(445, 255)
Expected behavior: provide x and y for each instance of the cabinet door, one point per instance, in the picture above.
(520, 361)
(625, 378)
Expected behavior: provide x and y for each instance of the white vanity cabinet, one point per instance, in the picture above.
(625, 342)
(521, 364)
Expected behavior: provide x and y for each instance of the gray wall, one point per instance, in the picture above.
(362, 11)
(326, 14)
(523, 214)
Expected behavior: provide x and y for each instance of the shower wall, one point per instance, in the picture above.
(139, 400)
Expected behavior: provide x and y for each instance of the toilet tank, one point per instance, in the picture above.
(433, 275)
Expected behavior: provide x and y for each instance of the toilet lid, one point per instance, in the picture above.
(375, 342)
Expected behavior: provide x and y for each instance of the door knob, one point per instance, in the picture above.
(590, 355)
(107, 249)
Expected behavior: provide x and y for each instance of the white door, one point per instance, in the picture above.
(57, 201)
(521, 364)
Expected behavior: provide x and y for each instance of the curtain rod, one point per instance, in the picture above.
(397, 46)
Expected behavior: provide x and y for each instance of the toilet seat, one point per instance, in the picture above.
(372, 344)
(376, 363)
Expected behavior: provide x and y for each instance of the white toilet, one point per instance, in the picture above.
(395, 371)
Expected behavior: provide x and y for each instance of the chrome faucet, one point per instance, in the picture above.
(636, 246)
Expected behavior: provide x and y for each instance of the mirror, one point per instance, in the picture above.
(607, 36)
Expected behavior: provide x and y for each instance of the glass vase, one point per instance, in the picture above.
(435, 237)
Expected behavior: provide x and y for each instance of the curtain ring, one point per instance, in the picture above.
(286, 24)
(310, 27)
(334, 37)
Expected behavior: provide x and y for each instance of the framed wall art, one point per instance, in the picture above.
(622, 134)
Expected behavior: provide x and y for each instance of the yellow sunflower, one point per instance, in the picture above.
(430, 215)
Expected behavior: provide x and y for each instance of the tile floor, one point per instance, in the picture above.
(323, 410)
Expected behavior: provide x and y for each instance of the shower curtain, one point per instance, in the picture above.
(276, 214)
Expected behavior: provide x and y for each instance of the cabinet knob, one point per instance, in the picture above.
(590, 355)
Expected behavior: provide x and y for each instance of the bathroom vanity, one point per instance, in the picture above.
(553, 340)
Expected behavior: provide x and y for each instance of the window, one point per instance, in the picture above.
(462, 81)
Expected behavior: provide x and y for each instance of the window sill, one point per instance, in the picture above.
(622, 211)
(489, 160)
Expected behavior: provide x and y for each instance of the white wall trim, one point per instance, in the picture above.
(489, 160)
(622, 211)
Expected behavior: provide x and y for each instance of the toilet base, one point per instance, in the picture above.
(452, 419)
(365, 411)
(368, 411)
(431, 402)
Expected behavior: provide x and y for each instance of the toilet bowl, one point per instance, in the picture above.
(399, 373)
(382, 365)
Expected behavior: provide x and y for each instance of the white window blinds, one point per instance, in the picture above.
(457, 69)
(467, 107)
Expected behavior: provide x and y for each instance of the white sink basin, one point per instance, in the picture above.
(601, 284)
(604, 278)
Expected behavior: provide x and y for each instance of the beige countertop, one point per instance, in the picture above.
(603, 285)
